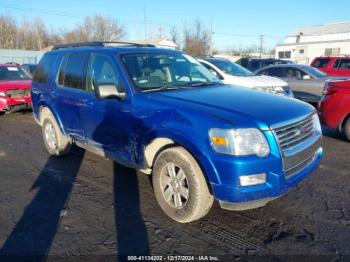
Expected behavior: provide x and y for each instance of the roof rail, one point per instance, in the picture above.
(99, 44)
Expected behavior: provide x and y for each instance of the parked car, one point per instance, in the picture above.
(333, 65)
(254, 64)
(334, 108)
(162, 112)
(15, 84)
(306, 82)
(30, 68)
(232, 73)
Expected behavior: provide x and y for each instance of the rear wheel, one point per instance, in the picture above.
(56, 143)
(347, 129)
(180, 186)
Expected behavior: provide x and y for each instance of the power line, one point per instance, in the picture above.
(71, 15)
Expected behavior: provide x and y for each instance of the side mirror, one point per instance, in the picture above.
(306, 77)
(108, 91)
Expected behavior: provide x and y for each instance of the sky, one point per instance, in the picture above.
(234, 23)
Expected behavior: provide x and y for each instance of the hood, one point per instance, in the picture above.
(15, 84)
(239, 106)
(254, 81)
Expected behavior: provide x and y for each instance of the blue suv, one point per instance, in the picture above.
(160, 111)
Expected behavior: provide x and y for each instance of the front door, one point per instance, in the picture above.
(107, 122)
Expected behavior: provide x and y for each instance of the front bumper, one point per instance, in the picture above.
(8, 104)
(278, 180)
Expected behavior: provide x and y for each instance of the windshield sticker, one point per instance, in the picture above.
(12, 68)
(191, 59)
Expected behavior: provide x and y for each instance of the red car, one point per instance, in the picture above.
(334, 108)
(333, 66)
(15, 85)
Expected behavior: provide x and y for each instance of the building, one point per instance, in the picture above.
(306, 43)
(20, 56)
(161, 42)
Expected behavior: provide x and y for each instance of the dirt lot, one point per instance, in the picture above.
(83, 204)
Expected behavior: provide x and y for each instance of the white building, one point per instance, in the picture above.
(306, 43)
(161, 42)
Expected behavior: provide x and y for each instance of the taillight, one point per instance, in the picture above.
(329, 89)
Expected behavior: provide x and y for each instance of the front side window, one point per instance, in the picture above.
(101, 72)
(71, 70)
(211, 69)
(8, 73)
(231, 68)
(165, 70)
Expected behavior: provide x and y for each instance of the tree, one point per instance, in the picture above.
(96, 28)
(8, 32)
(197, 40)
(174, 36)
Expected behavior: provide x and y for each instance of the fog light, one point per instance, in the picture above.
(252, 180)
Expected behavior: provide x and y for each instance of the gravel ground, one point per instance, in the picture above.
(86, 205)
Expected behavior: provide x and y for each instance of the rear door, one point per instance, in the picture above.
(341, 67)
(68, 96)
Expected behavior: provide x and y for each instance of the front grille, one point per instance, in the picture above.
(18, 93)
(294, 163)
(293, 134)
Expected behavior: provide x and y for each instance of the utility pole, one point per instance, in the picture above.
(211, 37)
(145, 21)
(261, 45)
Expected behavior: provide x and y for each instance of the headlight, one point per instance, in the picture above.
(239, 142)
(2, 94)
(317, 124)
(277, 90)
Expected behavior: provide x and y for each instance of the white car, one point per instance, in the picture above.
(232, 73)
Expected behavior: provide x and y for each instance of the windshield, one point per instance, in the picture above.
(317, 73)
(13, 73)
(231, 68)
(153, 71)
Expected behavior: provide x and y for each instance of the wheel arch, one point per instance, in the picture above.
(158, 141)
(46, 111)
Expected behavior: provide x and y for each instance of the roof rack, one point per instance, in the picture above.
(100, 44)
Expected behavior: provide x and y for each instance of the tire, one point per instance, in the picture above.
(347, 129)
(55, 142)
(188, 180)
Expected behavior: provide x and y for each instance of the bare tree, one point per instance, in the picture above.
(174, 36)
(8, 32)
(197, 40)
(96, 28)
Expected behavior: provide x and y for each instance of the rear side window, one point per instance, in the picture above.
(342, 63)
(321, 63)
(71, 70)
(275, 71)
(43, 72)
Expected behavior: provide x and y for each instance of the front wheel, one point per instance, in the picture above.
(347, 129)
(180, 186)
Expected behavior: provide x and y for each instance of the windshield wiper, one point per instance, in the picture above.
(164, 88)
(206, 84)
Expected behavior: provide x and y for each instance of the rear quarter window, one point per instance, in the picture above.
(44, 70)
(321, 63)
